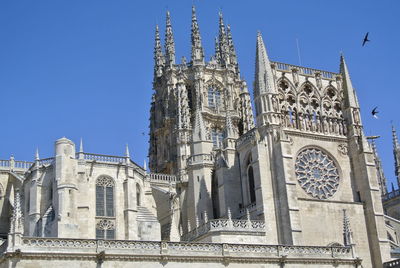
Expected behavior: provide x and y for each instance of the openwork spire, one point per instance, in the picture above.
(232, 51)
(347, 234)
(223, 42)
(169, 43)
(263, 77)
(350, 95)
(158, 55)
(197, 48)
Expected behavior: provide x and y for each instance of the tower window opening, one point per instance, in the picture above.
(252, 189)
(217, 138)
(214, 97)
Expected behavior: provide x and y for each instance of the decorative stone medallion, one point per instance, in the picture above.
(316, 173)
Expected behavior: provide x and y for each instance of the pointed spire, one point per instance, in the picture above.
(350, 95)
(199, 129)
(223, 42)
(396, 153)
(81, 146)
(169, 43)
(379, 169)
(145, 165)
(127, 155)
(197, 48)
(347, 234)
(37, 154)
(217, 52)
(264, 78)
(158, 55)
(232, 51)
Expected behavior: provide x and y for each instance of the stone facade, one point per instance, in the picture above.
(295, 185)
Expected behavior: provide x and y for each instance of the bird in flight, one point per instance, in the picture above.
(374, 112)
(365, 40)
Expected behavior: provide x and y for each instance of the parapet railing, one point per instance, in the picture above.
(12, 164)
(226, 225)
(246, 136)
(103, 158)
(181, 249)
(200, 158)
(303, 70)
(391, 195)
(159, 177)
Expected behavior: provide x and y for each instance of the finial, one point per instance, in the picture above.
(169, 43)
(197, 48)
(248, 214)
(37, 154)
(81, 146)
(188, 226)
(229, 214)
(205, 216)
(127, 155)
(145, 165)
(197, 222)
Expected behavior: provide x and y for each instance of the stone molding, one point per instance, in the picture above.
(60, 248)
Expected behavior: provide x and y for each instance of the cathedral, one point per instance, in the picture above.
(291, 181)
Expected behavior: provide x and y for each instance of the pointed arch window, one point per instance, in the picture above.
(105, 197)
(214, 97)
(217, 137)
(252, 190)
(138, 203)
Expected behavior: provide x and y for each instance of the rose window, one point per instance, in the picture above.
(316, 173)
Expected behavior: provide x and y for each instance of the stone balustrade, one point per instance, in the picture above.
(163, 177)
(103, 158)
(394, 264)
(46, 161)
(246, 137)
(179, 250)
(200, 158)
(12, 164)
(304, 70)
(226, 225)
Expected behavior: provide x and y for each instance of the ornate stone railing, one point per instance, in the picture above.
(163, 177)
(199, 158)
(246, 137)
(46, 161)
(31, 245)
(303, 70)
(12, 164)
(103, 158)
(226, 225)
(391, 195)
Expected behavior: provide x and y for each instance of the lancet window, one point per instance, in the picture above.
(105, 197)
(214, 97)
(138, 202)
(217, 137)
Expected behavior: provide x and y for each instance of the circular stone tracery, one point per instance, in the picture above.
(316, 173)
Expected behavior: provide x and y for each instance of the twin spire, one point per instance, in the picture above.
(263, 74)
(225, 53)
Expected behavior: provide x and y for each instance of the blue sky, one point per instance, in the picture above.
(84, 68)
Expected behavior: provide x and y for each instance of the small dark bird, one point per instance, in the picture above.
(143, 133)
(374, 112)
(365, 39)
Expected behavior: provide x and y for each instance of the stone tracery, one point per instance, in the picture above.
(316, 173)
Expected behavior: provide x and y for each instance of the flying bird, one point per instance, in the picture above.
(374, 112)
(365, 39)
